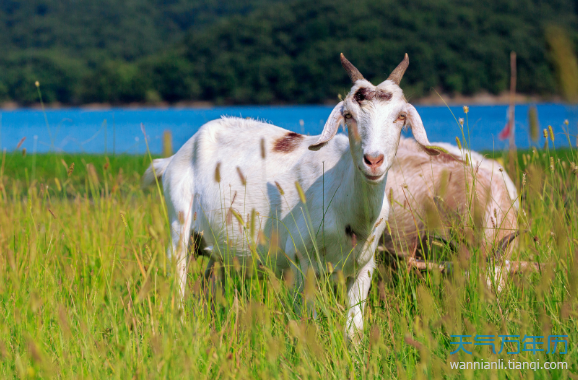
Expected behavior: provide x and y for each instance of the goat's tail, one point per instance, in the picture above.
(155, 171)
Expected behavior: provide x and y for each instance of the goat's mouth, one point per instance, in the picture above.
(373, 178)
(370, 176)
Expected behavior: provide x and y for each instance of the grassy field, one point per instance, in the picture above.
(86, 290)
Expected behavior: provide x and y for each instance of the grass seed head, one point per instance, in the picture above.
(263, 151)
(239, 218)
(241, 177)
(92, 175)
(551, 132)
(261, 239)
(279, 188)
(236, 264)
(24, 152)
(289, 279)
(565, 61)
(34, 351)
(458, 142)
(534, 125)
(218, 173)
(309, 290)
(300, 191)
(466, 109)
(123, 218)
(58, 186)
(253, 220)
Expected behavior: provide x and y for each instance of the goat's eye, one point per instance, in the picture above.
(401, 117)
(359, 96)
(347, 115)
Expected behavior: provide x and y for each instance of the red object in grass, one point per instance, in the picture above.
(507, 131)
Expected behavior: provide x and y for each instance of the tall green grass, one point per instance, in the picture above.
(86, 290)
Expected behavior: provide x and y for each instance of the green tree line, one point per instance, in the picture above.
(265, 51)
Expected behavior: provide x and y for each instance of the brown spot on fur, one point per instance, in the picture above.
(288, 143)
(368, 94)
(383, 95)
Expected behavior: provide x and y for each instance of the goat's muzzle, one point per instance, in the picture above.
(373, 162)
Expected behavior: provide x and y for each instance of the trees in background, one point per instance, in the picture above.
(266, 51)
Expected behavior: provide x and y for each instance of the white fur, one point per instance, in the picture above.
(341, 190)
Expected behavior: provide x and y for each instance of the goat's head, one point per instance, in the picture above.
(374, 116)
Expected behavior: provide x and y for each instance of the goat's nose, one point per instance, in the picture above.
(373, 161)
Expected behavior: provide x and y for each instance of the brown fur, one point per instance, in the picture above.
(468, 198)
(287, 143)
(367, 94)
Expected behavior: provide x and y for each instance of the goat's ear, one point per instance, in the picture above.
(331, 126)
(418, 131)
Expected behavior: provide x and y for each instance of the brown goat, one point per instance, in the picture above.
(450, 197)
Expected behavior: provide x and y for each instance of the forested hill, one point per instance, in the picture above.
(126, 29)
(266, 51)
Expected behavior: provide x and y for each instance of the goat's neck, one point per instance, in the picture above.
(364, 200)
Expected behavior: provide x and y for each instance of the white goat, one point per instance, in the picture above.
(444, 185)
(319, 199)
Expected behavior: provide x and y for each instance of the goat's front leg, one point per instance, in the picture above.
(357, 290)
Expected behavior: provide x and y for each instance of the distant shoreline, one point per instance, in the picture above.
(483, 98)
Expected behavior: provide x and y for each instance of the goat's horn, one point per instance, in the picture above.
(504, 244)
(352, 71)
(398, 72)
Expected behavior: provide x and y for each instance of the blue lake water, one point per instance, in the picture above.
(118, 130)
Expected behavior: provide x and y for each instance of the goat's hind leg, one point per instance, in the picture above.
(178, 249)
(180, 219)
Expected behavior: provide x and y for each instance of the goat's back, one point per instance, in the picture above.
(434, 193)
